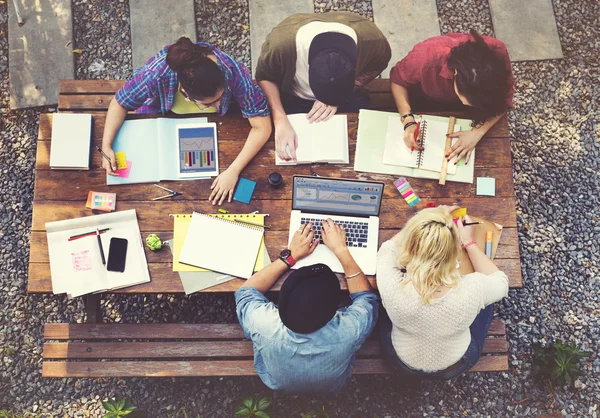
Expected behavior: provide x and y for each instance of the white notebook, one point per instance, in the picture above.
(433, 134)
(221, 245)
(70, 143)
(319, 142)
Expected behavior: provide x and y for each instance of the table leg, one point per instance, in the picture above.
(92, 308)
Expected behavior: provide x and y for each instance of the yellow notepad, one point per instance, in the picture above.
(180, 228)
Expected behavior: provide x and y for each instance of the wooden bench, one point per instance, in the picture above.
(177, 350)
(127, 350)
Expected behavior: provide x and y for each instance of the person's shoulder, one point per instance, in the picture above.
(157, 67)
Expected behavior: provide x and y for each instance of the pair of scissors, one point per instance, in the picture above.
(172, 193)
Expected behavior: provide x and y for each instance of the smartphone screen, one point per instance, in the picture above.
(117, 253)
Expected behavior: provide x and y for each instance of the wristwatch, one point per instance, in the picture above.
(286, 257)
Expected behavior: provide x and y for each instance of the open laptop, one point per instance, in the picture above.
(354, 204)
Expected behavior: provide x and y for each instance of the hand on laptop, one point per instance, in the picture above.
(303, 242)
(334, 236)
(286, 140)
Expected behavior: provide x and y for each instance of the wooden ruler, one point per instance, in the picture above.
(444, 172)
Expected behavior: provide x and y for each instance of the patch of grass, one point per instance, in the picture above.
(119, 407)
(252, 407)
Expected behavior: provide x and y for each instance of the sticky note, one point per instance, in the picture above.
(125, 172)
(245, 189)
(486, 186)
(121, 160)
(406, 191)
(459, 213)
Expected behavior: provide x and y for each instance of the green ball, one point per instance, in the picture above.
(153, 242)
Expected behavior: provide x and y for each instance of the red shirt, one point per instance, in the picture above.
(427, 64)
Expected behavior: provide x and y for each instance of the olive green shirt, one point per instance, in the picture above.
(277, 60)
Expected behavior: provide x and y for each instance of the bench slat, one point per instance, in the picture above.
(195, 349)
(378, 366)
(63, 331)
(101, 86)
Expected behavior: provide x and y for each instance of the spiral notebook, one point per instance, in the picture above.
(432, 136)
(221, 245)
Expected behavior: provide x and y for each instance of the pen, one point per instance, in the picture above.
(103, 153)
(87, 234)
(488, 244)
(252, 223)
(417, 132)
(100, 246)
(472, 223)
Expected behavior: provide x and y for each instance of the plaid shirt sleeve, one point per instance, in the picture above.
(250, 97)
(136, 90)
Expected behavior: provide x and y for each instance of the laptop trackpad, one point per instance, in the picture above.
(323, 255)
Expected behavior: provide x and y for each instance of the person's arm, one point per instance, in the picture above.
(467, 140)
(400, 94)
(114, 119)
(481, 263)
(365, 78)
(334, 237)
(224, 185)
(303, 244)
(285, 136)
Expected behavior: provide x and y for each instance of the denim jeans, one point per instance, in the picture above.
(358, 100)
(479, 329)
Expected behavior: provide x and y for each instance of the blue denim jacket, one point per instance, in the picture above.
(317, 362)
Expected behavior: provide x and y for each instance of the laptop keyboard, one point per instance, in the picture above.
(357, 233)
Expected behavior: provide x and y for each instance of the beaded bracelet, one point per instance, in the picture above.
(464, 246)
(409, 124)
(354, 275)
(405, 116)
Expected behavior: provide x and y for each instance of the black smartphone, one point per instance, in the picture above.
(117, 254)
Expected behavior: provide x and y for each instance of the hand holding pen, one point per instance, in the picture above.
(109, 160)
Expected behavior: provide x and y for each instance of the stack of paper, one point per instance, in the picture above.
(70, 144)
(76, 265)
(319, 142)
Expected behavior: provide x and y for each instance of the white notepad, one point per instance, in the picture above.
(319, 142)
(221, 245)
(70, 144)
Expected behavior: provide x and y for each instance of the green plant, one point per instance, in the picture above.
(9, 351)
(116, 408)
(253, 407)
(558, 362)
(316, 414)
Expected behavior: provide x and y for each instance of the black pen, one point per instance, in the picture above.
(103, 153)
(472, 223)
(100, 246)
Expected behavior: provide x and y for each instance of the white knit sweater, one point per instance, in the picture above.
(433, 337)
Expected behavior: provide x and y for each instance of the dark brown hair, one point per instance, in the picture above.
(199, 75)
(481, 76)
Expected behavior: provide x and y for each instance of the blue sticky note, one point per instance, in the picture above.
(486, 186)
(245, 189)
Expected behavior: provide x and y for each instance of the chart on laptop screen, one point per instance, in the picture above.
(196, 150)
(330, 195)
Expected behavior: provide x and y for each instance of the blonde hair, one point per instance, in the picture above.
(428, 247)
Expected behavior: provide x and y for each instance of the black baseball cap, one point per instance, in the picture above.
(309, 298)
(332, 67)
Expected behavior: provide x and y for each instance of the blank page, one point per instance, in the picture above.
(70, 145)
(396, 152)
(221, 245)
(435, 146)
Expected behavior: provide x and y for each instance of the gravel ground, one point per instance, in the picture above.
(555, 130)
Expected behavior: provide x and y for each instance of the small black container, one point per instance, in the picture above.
(275, 179)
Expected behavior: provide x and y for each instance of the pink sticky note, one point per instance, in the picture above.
(125, 171)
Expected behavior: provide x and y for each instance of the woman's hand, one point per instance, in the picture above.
(466, 233)
(303, 242)
(465, 144)
(223, 186)
(112, 167)
(321, 112)
(334, 236)
(285, 137)
(409, 138)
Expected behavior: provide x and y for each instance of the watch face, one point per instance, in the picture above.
(285, 253)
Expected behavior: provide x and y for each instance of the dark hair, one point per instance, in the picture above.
(199, 75)
(481, 76)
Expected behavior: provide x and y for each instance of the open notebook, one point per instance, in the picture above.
(466, 266)
(320, 142)
(432, 136)
(221, 245)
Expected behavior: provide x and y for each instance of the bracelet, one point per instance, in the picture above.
(354, 275)
(409, 124)
(405, 116)
(464, 246)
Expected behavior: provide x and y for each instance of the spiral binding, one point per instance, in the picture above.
(422, 137)
(232, 221)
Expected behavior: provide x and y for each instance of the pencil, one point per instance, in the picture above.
(472, 223)
(100, 247)
(103, 153)
(252, 223)
(85, 234)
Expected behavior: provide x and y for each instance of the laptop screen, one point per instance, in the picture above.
(336, 196)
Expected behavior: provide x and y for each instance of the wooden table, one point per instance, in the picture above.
(62, 194)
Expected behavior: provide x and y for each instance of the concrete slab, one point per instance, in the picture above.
(37, 57)
(156, 23)
(527, 28)
(266, 14)
(405, 23)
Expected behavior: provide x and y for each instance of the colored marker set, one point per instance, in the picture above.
(101, 201)
(406, 191)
